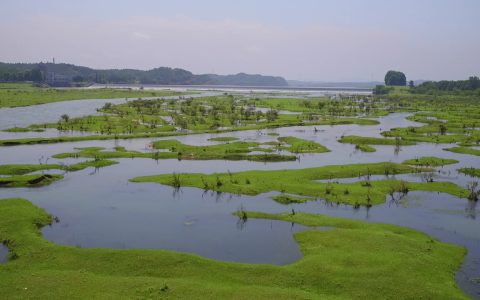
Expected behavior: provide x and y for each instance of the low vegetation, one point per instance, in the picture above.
(397, 266)
(430, 161)
(25, 94)
(304, 182)
(470, 171)
(19, 173)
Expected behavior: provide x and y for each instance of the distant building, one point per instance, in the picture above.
(57, 80)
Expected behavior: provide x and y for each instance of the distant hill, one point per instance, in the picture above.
(68, 75)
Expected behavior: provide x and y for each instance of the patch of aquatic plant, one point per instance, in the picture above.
(360, 140)
(365, 148)
(178, 150)
(288, 199)
(22, 169)
(430, 161)
(35, 180)
(401, 263)
(464, 150)
(228, 151)
(223, 139)
(304, 182)
(297, 145)
(151, 118)
(470, 171)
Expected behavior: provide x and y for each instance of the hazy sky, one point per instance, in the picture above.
(308, 40)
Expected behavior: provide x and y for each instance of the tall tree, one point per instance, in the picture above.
(395, 78)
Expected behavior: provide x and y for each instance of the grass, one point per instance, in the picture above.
(14, 96)
(163, 117)
(22, 169)
(178, 150)
(430, 161)
(470, 171)
(464, 150)
(365, 148)
(353, 259)
(18, 177)
(28, 180)
(297, 145)
(223, 139)
(360, 140)
(288, 199)
(304, 182)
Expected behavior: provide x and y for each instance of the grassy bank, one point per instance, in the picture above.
(353, 259)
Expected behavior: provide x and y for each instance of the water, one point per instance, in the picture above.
(3, 254)
(103, 209)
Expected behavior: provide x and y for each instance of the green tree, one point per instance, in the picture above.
(395, 78)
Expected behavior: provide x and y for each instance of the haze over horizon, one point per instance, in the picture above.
(306, 40)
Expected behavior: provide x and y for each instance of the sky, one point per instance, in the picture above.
(336, 40)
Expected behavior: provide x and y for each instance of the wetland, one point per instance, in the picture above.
(171, 192)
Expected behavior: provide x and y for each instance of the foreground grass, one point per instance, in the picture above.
(304, 182)
(353, 259)
(430, 161)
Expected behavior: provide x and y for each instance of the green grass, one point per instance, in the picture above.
(288, 199)
(365, 148)
(223, 139)
(98, 163)
(18, 177)
(353, 259)
(470, 171)
(297, 145)
(430, 161)
(360, 140)
(303, 182)
(35, 180)
(444, 123)
(22, 169)
(163, 117)
(18, 96)
(464, 150)
(178, 150)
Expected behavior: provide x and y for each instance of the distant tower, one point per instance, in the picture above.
(54, 60)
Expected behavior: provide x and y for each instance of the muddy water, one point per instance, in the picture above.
(103, 209)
